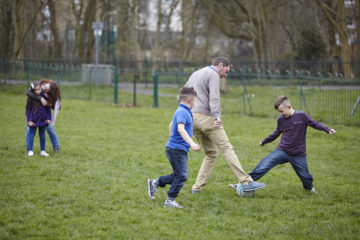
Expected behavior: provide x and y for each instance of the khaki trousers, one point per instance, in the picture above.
(211, 140)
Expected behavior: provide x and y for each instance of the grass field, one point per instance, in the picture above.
(96, 187)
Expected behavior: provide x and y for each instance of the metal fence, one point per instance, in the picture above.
(326, 97)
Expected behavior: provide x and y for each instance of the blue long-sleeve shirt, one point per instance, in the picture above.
(182, 115)
(293, 130)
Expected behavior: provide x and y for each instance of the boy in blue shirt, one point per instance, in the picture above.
(177, 147)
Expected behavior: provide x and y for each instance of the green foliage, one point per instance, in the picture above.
(96, 187)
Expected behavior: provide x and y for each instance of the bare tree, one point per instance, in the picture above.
(189, 19)
(22, 27)
(54, 28)
(123, 29)
(357, 17)
(6, 28)
(162, 33)
(84, 21)
(340, 24)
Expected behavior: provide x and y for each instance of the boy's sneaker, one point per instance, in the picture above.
(30, 153)
(314, 191)
(43, 153)
(172, 204)
(252, 186)
(152, 187)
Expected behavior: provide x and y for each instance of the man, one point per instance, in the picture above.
(208, 127)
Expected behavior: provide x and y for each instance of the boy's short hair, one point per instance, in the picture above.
(281, 100)
(222, 60)
(185, 93)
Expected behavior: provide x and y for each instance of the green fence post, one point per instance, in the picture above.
(115, 83)
(136, 76)
(156, 96)
(58, 74)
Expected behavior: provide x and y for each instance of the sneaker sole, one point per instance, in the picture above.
(152, 198)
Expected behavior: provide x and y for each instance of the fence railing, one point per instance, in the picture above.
(325, 96)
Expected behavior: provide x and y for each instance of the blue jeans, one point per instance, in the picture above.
(178, 161)
(31, 136)
(52, 135)
(277, 157)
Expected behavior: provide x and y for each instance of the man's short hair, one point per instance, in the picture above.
(281, 100)
(222, 60)
(185, 93)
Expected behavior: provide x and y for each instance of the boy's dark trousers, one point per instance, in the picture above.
(178, 161)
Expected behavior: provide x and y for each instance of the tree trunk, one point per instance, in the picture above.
(340, 24)
(88, 20)
(85, 29)
(122, 43)
(19, 29)
(344, 38)
(21, 26)
(134, 32)
(358, 31)
(6, 40)
(54, 29)
(158, 32)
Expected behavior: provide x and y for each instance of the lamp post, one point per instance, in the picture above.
(97, 26)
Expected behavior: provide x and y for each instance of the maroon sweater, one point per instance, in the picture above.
(293, 129)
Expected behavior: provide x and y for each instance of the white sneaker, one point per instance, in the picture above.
(314, 191)
(30, 153)
(43, 153)
(172, 204)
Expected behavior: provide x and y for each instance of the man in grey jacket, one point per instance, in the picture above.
(208, 127)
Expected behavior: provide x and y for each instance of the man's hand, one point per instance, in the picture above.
(31, 124)
(217, 122)
(43, 101)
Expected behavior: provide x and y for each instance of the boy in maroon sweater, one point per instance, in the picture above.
(292, 147)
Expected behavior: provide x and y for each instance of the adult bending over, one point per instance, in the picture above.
(52, 91)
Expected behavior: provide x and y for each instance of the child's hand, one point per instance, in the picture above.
(195, 147)
(47, 122)
(261, 144)
(31, 123)
(332, 131)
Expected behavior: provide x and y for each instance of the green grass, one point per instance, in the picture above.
(96, 187)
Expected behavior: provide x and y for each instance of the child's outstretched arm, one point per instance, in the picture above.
(271, 137)
(186, 137)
